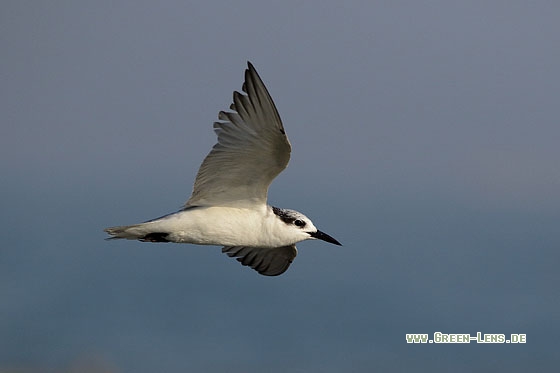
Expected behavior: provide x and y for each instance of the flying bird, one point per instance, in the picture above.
(228, 205)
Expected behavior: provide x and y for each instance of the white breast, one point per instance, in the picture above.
(223, 226)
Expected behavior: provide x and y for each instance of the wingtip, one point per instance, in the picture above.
(251, 71)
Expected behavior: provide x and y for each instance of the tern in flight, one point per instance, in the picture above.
(228, 206)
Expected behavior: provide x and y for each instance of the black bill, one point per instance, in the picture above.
(325, 237)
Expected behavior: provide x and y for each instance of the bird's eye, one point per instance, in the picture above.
(299, 223)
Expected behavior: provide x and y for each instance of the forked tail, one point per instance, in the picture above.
(141, 232)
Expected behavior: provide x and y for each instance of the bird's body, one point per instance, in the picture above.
(215, 225)
(228, 204)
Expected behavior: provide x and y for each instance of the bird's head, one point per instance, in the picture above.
(301, 227)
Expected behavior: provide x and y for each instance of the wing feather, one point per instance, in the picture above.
(266, 261)
(252, 150)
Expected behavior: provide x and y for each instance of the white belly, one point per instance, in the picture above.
(224, 226)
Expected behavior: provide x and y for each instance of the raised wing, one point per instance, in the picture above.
(266, 261)
(252, 150)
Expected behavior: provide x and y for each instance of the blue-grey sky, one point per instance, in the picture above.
(425, 138)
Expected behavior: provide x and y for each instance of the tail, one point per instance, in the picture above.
(142, 232)
(129, 232)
